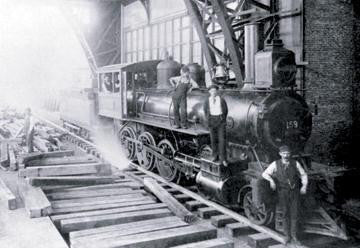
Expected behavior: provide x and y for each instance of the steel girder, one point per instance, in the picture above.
(229, 17)
(101, 39)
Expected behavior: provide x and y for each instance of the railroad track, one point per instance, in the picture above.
(121, 213)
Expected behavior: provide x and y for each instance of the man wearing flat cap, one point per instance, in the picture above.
(288, 177)
(216, 110)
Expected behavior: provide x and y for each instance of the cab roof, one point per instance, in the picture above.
(130, 67)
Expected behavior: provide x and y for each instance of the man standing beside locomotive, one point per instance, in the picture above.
(216, 110)
(29, 130)
(182, 84)
(285, 176)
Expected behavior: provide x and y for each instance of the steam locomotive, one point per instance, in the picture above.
(261, 118)
(262, 115)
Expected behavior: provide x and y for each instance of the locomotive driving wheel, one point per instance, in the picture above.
(258, 214)
(167, 169)
(128, 145)
(145, 158)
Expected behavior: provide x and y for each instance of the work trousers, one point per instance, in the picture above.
(217, 127)
(30, 141)
(289, 204)
(180, 113)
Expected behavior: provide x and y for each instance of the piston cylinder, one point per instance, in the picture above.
(224, 190)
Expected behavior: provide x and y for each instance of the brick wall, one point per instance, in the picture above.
(329, 48)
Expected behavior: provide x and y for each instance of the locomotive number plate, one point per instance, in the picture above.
(292, 125)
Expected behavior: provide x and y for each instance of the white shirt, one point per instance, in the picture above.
(273, 168)
(215, 106)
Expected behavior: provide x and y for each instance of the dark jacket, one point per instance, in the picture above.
(224, 108)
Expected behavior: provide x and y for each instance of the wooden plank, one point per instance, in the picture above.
(158, 239)
(12, 159)
(110, 219)
(175, 206)
(122, 185)
(123, 227)
(62, 161)
(207, 212)
(4, 154)
(71, 180)
(42, 144)
(92, 200)
(35, 201)
(108, 205)
(211, 243)
(275, 235)
(58, 188)
(7, 196)
(278, 246)
(221, 220)
(93, 193)
(260, 240)
(66, 170)
(128, 229)
(59, 217)
(238, 229)
(40, 155)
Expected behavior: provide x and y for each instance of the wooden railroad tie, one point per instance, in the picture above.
(61, 161)
(104, 205)
(261, 240)
(108, 233)
(237, 229)
(211, 243)
(221, 220)
(74, 224)
(155, 239)
(66, 170)
(71, 180)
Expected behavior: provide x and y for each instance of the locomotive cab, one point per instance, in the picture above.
(111, 89)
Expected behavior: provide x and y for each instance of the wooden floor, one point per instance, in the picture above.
(17, 230)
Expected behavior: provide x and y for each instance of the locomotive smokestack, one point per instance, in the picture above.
(251, 47)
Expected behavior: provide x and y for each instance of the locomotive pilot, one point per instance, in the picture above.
(216, 110)
(288, 177)
(182, 84)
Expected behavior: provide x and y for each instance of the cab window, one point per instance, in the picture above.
(107, 82)
(117, 80)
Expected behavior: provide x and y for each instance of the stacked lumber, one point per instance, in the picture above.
(4, 155)
(49, 138)
(119, 215)
(50, 168)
